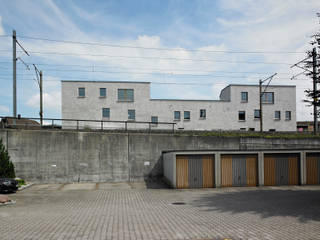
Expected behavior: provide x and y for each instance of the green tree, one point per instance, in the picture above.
(6, 166)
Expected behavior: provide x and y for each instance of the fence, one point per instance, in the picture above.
(81, 124)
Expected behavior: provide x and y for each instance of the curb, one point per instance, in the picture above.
(25, 186)
(11, 202)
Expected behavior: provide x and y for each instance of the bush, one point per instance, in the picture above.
(6, 166)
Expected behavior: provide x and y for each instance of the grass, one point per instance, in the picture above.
(21, 182)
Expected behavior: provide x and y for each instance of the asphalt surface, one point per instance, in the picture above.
(132, 211)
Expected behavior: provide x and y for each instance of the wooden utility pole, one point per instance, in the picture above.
(14, 71)
(41, 108)
(314, 77)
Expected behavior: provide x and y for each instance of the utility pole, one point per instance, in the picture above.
(314, 78)
(14, 60)
(260, 104)
(261, 95)
(41, 109)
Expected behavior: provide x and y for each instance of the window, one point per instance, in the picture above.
(131, 114)
(256, 114)
(154, 119)
(186, 115)
(125, 95)
(103, 92)
(244, 96)
(267, 97)
(176, 115)
(277, 115)
(81, 92)
(106, 112)
(203, 113)
(242, 115)
(288, 115)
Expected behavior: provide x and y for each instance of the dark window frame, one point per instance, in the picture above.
(254, 114)
(275, 115)
(80, 93)
(105, 92)
(184, 116)
(240, 114)
(244, 100)
(174, 116)
(134, 114)
(265, 98)
(103, 112)
(125, 95)
(203, 116)
(288, 118)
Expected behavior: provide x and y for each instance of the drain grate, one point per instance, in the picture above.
(178, 203)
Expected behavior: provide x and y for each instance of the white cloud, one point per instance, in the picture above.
(51, 101)
(4, 109)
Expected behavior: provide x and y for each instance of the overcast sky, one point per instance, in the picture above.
(236, 42)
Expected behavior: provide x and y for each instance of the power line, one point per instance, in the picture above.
(161, 49)
(155, 58)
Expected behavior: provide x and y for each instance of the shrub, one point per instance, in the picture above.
(6, 166)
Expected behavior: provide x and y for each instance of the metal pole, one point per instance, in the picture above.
(41, 107)
(14, 70)
(314, 76)
(260, 102)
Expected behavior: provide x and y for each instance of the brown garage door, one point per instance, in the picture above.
(281, 169)
(313, 168)
(208, 171)
(182, 171)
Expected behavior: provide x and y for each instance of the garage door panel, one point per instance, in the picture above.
(282, 174)
(182, 171)
(208, 171)
(226, 170)
(293, 170)
(238, 170)
(312, 169)
(195, 171)
(269, 171)
(252, 169)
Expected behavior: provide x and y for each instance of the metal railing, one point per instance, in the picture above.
(84, 124)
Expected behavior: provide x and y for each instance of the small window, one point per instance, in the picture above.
(256, 114)
(277, 115)
(203, 113)
(154, 119)
(131, 114)
(272, 130)
(288, 115)
(81, 92)
(242, 115)
(106, 112)
(176, 115)
(103, 92)
(267, 97)
(186, 115)
(244, 96)
(125, 95)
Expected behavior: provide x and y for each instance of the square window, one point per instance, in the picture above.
(154, 119)
(203, 113)
(256, 114)
(81, 92)
(277, 115)
(242, 115)
(267, 97)
(106, 112)
(176, 115)
(125, 95)
(288, 115)
(244, 96)
(131, 114)
(103, 92)
(186, 115)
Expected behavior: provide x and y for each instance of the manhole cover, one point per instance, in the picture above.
(178, 203)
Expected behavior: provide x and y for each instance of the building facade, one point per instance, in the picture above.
(237, 108)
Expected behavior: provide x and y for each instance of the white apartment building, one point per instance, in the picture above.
(237, 108)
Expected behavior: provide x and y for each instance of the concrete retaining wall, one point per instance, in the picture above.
(69, 156)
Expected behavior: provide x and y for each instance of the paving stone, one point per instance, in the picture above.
(120, 213)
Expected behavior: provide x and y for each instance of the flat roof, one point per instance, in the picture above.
(257, 85)
(198, 100)
(104, 81)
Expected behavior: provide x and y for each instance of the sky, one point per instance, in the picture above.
(186, 49)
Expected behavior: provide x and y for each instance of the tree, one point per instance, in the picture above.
(6, 166)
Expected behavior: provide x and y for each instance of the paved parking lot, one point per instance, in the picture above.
(130, 211)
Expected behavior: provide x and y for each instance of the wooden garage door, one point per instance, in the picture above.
(208, 171)
(252, 170)
(313, 168)
(226, 170)
(182, 171)
(269, 171)
(293, 170)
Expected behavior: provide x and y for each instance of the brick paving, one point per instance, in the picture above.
(129, 211)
